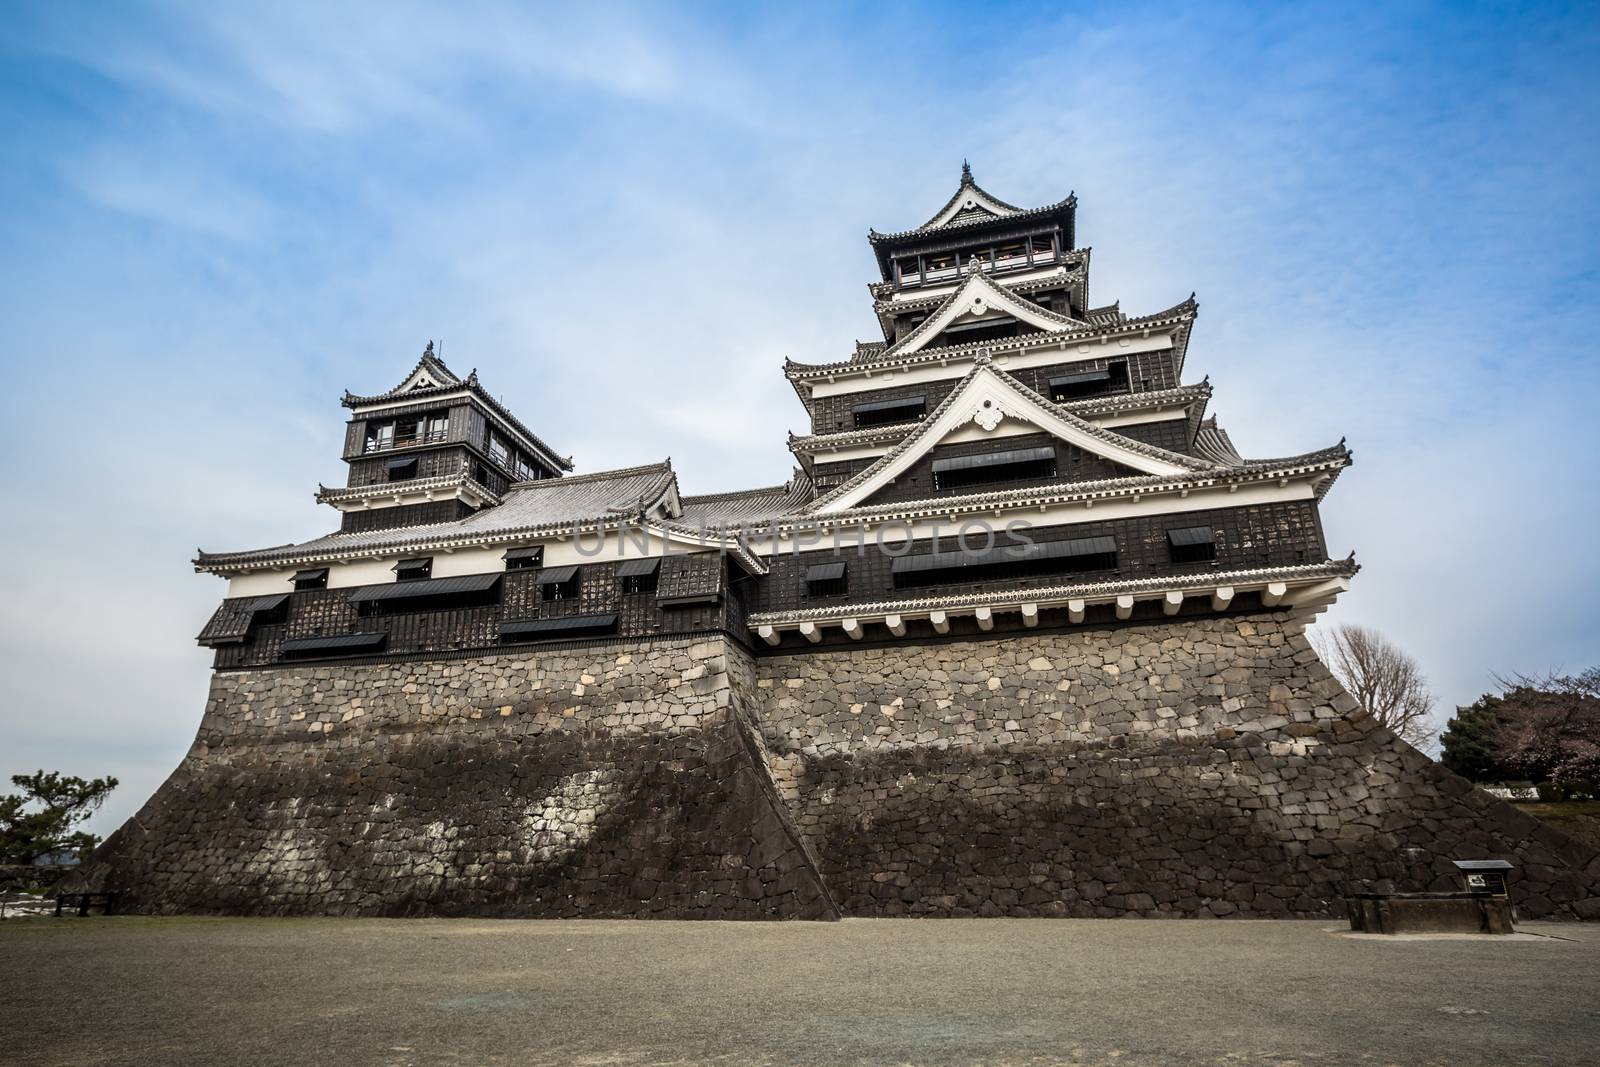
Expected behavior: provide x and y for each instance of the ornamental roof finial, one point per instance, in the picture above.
(966, 173)
(429, 350)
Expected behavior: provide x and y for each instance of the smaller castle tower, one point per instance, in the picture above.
(435, 448)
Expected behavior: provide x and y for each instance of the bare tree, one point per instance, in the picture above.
(1388, 682)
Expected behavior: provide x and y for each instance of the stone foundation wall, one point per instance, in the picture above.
(1204, 766)
(597, 782)
(1200, 767)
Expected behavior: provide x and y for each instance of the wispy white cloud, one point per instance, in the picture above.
(161, 190)
(335, 69)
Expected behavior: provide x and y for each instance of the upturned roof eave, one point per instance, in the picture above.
(880, 240)
(328, 495)
(1078, 492)
(1179, 314)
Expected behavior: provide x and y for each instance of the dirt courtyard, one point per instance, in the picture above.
(130, 990)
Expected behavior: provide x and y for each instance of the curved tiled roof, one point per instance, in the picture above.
(526, 508)
(868, 351)
(1177, 315)
(1213, 441)
(1330, 459)
(713, 510)
(1109, 315)
(461, 479)
(1154, 398)
(444, 380)
(958, 223)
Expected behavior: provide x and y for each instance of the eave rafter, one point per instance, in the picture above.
(1305, 587)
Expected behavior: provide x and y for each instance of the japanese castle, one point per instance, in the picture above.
(1008, 457)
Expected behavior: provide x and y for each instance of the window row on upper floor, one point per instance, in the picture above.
(1039, 250)
(406, 430)
(558, 583)
(996, 561)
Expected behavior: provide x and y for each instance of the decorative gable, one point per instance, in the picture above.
(989, 402)
(429, 373)
(978, 298)
(970, 204)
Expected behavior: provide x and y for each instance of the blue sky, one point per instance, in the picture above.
(216, 220)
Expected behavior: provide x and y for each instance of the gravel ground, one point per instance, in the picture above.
(129, 990)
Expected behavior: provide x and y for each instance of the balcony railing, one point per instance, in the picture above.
(382, 444)
(1000, 265)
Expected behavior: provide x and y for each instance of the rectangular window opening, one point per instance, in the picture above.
(559, 583)
(1192, 544)
(522, 559)
(407, 430)
(827, 579)
(639, 575)
(1012, 465)
(972, 332)
(1003, 561)
(1112, 379)
(412, 570)
(885, 412)
(316, 578)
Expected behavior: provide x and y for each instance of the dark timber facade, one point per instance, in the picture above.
(1021, 635)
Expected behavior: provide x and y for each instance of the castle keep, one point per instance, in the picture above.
(1022, 635)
